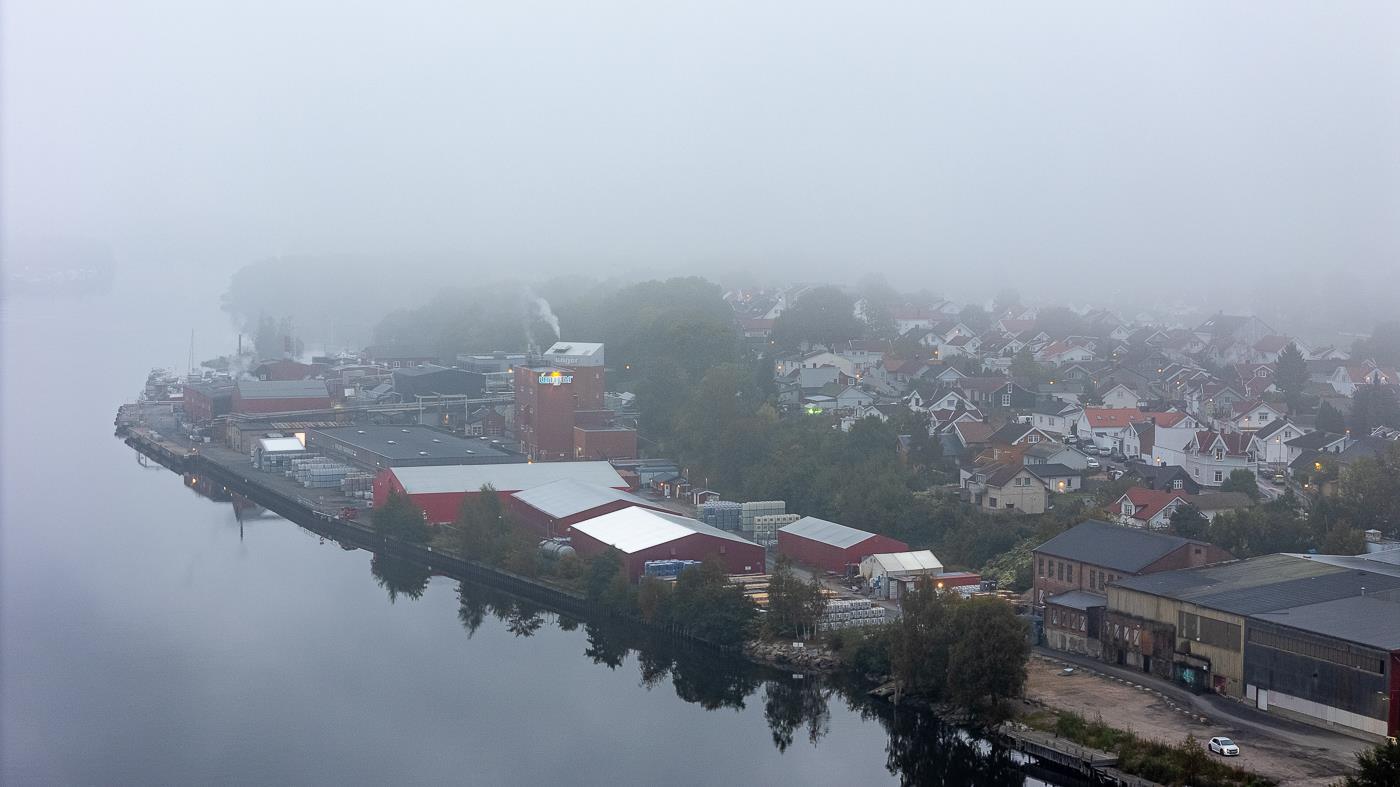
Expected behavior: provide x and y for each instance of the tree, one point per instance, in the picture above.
(483, 526)
(1188, 522)
(824, 315)
(1378, 766)
(1370, 491)
(987, 661)
(975, 317)
(1330, 419)
(1006, 298)
(919, 642)
(1242, 481)
(711, 607)
(1342, 540)
(880, 302)
(793, 605)
(1372, 406)
(1292, 375)
(1382, 346)
(400, 518)
(1262, 530)
(602, 570)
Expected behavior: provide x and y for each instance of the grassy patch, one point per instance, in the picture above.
(1182, 764)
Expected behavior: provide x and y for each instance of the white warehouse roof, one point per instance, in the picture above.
(568, 496)
(897, 563)
(634, 529)
(826, 532)
(504, 477)
(280, 445)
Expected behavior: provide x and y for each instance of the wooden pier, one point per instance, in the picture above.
(1093, 764)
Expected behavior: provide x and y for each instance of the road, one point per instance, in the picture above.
(1225, 711)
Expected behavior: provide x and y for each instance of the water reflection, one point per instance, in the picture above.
(399, 577)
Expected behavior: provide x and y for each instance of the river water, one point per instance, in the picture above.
(152, 635)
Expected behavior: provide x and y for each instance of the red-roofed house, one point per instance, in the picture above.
(1109, 427)
(1147, 508)
(1269, 348)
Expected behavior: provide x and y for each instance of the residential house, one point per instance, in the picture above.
(1269, 348)
(1054, 416)
(1107, 427)
(1057, 478)
(1215, 503)
(1212, 456)
(852, 397)
(1121, 397)
(1270, 444)
(1164, 478)
(1346, 379)
(1249, 416)
(1147, 508)
(1060, 353)
(1055, 453)
(1006, 488)
(1016, 433)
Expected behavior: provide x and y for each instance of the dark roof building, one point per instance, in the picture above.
(430, 380)
(377, 447)
(1092, 554)
(1163, 478)
(279, 396)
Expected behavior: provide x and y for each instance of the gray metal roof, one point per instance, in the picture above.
(1265, 584)
(1078, 599)
(1112, 546)
(416, 442)
(634, 529)
(1053, 470)
(1365, 620)
(826, 532)
(568, 496)
(282, 389)
(503, 477)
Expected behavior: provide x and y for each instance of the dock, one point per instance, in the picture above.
(1093, 764)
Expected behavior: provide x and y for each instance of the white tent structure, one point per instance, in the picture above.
(900, 565)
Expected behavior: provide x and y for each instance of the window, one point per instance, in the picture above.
(1219, 454)
(1263, 418)
(1219, 476)
(1093, 580)
(1034, 438)
(991, 502)
(1040, 567)
(1288, 434)
(1062, 571)
(1069, 573)
(1128, 508)
(1006, 400)
(1176, 483)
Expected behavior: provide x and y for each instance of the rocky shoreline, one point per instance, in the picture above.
(803, 658)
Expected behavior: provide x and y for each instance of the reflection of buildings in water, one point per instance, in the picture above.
(205, 487)
(246, 509)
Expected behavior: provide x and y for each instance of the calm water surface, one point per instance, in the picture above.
(149, 634)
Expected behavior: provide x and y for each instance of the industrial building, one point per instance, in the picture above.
(551, 509)
(643, 534)
(279, 396)
(440, 490)
(830, 546)
(492, 363)
(377, 447)
(207, 401)
(547, 399)
(1199, 620)
(604, 442)
(1092, 554)
(430, 381)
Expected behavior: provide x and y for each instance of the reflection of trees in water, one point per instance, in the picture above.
(521, 617)
(399, 577)
(923, 750)
(920, 749)
(792, 704)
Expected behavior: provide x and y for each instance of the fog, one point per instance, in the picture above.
(1093, 148)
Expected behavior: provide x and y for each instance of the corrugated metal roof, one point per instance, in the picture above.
(1112, 546)
(920, 562)
(1078, 599)
(568, 496)
(634, 529)
(1365, 620)
(826, 532)
(504, 477)
(282, 389)
(1266, 584)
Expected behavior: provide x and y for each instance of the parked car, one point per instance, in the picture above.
(1224, 747)
(1093, 464)
(1280, 478)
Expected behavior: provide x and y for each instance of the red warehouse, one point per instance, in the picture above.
(280, 396)
(642, 534)
(552, 508)
(440, 490)
(827, 545)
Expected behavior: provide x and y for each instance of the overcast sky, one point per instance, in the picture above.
(813, 138)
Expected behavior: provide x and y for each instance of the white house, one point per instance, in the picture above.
(1053, 453)
(1121, 397)
(853, 397)
(1249, 416)
(1055, 417)
(1270, 444)
(1212, 456)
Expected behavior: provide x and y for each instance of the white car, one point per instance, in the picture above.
(1092, 464)
(1224, 747)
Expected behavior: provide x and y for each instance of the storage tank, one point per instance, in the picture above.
(556, 549)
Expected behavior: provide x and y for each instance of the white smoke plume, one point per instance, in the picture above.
(538, 310)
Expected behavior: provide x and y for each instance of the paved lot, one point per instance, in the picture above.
(1292, 753)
